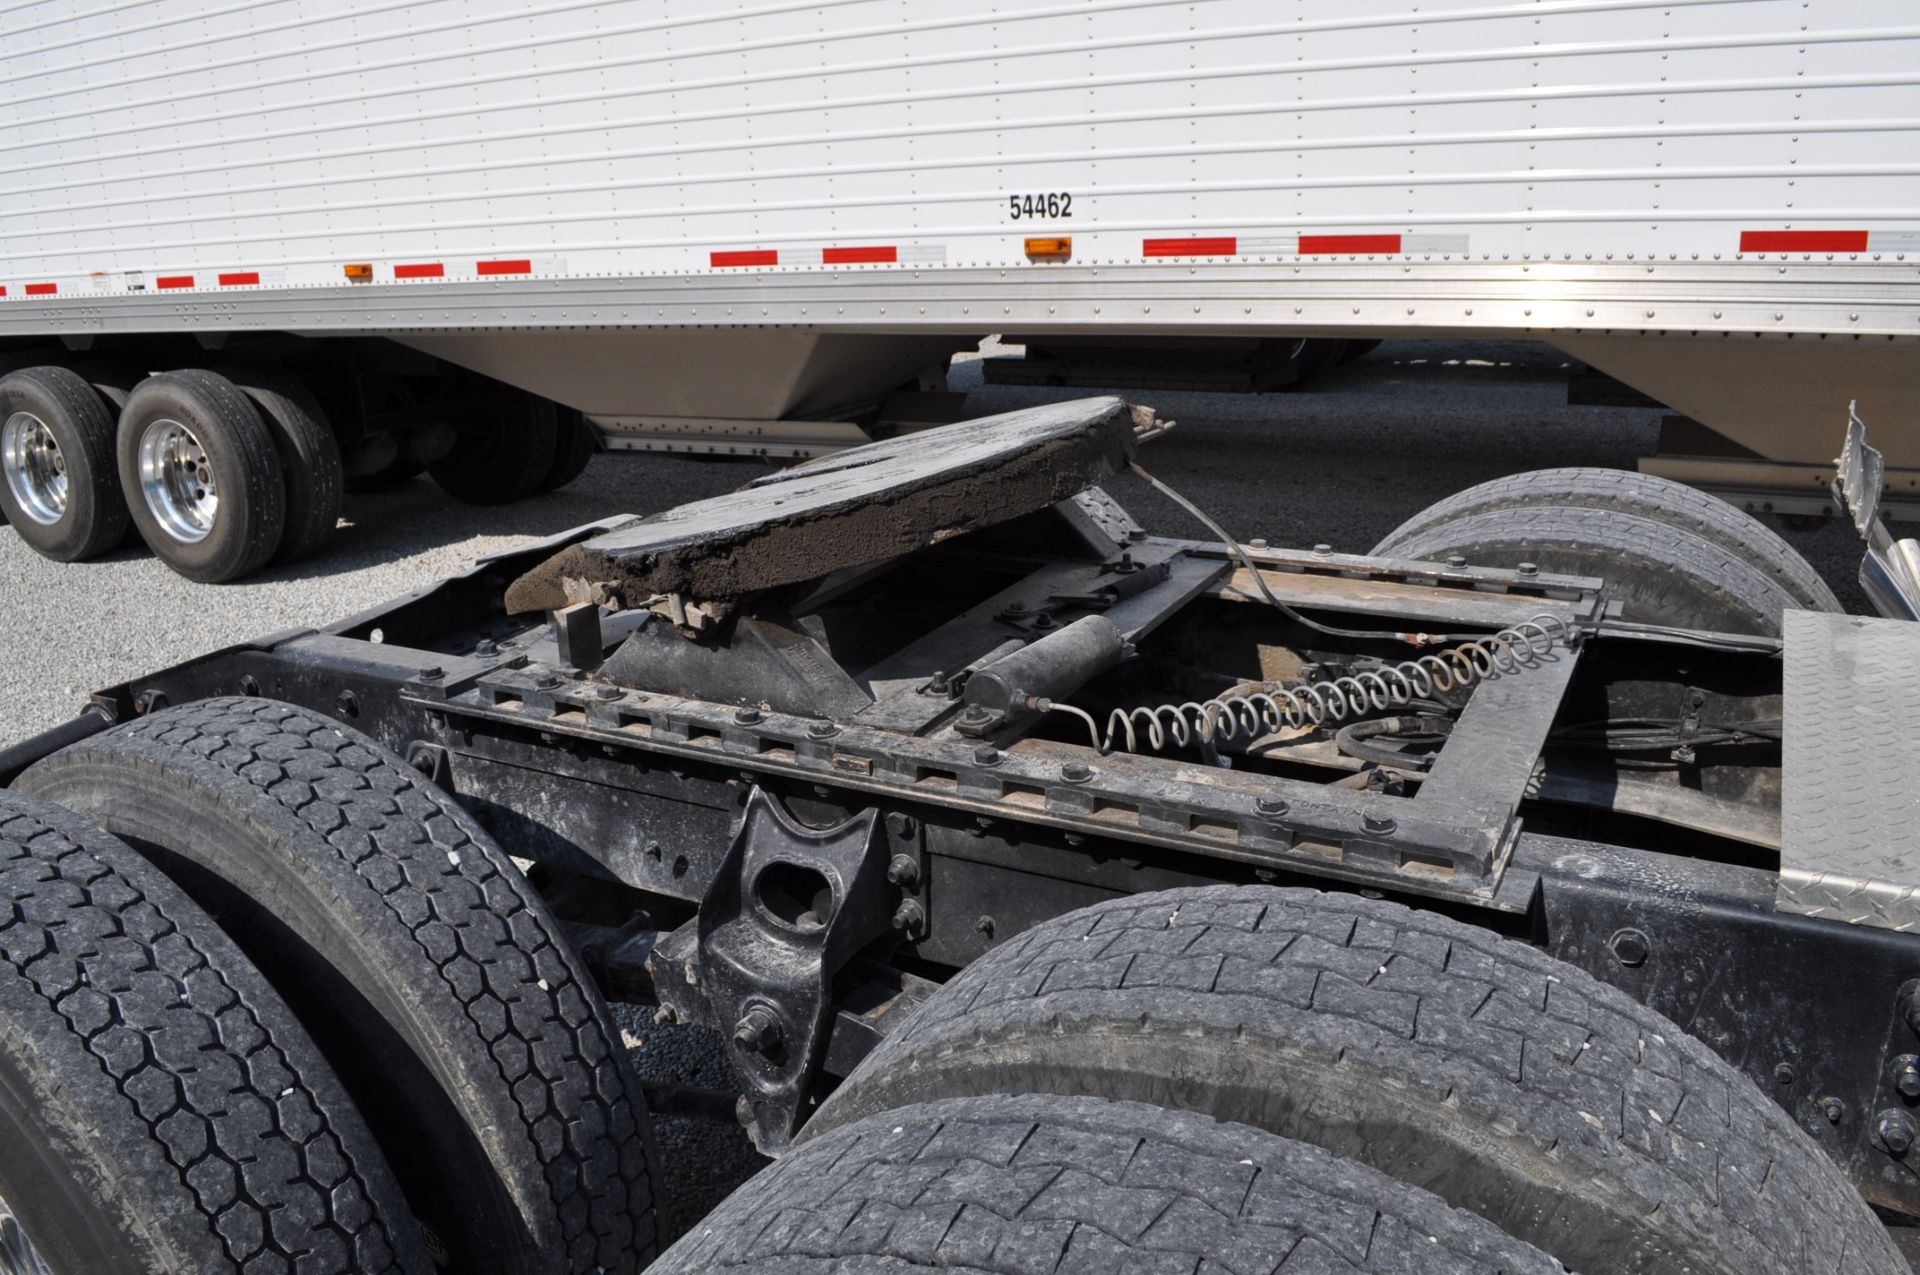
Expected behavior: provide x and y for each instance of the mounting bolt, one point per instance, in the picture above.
(609, 693)
(1529, 569)
(1256, 543)
(748, 715)
(1076, 772)
(433, 674)
(822, 730)
(900, 825)
(1783, 1073)
(903, 871)
(1323, 550)
(1379, 825)
(1456, 561)
(1270, 806)
(1630, 947)
(1896, 1131)
(1909, 1003)
(984, 926)
(485, 646)
(149, 702)
(986, 755)
(910, 918)
(976, 713)
(1833, 1109)
(758, 1031)
(548, 681)
(1906, 1076)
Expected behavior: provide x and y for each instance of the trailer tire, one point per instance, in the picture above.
(423, 963)
(1310, 357)
(1478, 1068)
(572, 452)
(65, 504)
(309, 454)
(1646, 496)
(504, 455)
(161, 1108)
(223, 517)
(1045, 1183)
(1661, 573)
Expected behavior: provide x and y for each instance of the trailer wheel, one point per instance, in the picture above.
(1480, 1069)
(1645, 496)
(424, 964)
(1661, 573)
(1041, 1183)
(1309, 357)
(309, 455)
(572, 452)
(201, 475)
(503, 455)
(160, 1107)
(60, 489)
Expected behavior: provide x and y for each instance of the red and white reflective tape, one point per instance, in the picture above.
(1792, 241)
(1309, 245)
(826, 255)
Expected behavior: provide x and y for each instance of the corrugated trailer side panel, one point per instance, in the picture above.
(162, 150)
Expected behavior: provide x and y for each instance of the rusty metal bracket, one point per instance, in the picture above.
(787, 910)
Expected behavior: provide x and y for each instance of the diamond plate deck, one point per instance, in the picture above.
(1850, 812)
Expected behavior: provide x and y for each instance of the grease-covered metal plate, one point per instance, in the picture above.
(1850, 811)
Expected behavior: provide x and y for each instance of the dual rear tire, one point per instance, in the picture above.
(225, 472)
(428, 971)
(1672, 555)
(1362, 1043)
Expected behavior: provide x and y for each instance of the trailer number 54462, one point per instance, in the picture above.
(1052, 204)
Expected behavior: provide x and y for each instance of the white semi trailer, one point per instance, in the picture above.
(294, 240)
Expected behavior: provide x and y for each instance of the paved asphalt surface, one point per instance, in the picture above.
(1344, 463)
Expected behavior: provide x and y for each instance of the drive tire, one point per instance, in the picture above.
(93, 518)
(160, 1108)
(422, 961)
(504, 454)
(309, 456)
(1660, 573)
(1642, 495)
(1504, 1081)
(242, 531)
(1080, 1186)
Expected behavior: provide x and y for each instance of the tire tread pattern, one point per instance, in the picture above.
(1662, 573)
(180, 1026)
(1041, 1185)
(533, 1016)
(1646, 495)
(1537, 1053)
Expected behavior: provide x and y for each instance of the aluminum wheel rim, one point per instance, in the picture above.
(17, 1253)
(36, 471)
(177, 480)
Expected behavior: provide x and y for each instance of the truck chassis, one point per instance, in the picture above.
(784, 761)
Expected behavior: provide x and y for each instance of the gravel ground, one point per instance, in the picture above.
(1344, 464)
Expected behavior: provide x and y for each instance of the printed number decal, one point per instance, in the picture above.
(1037, 207)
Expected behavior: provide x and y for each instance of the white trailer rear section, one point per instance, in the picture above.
(700, 222)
